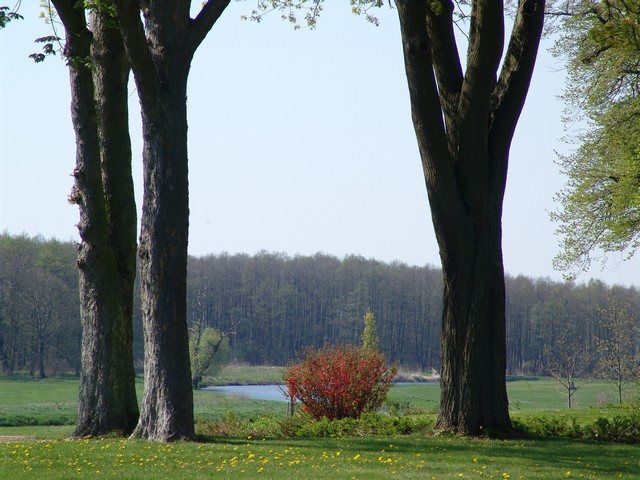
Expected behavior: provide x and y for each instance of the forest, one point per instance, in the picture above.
(273, 306)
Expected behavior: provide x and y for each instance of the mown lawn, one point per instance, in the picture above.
(43, 451)
(359, 458)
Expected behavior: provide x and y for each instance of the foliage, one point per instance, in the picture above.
(339, 382)
(278, 305)
(209, 351)
(600, 204)
(48, 48)
(39, 310)
(7, 15)
(370, 340)
(367, 424)
(303, 426)
(621, 428)
(312, 9)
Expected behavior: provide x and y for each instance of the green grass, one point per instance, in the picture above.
(369, 458)
(30, 401)
(361, 458)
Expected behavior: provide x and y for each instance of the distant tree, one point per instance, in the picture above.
(600, 206)
(209, 352)
(619, 360)
(568, 362)
(370, 333)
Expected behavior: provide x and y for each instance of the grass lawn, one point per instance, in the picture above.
(360, 458)
(48, 401)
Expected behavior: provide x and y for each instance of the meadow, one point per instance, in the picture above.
(36, 418)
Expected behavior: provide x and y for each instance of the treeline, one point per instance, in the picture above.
(274, 306)
(40, 329)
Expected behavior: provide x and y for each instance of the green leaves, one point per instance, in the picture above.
(48, 48)
(6, 16)
(600, 205)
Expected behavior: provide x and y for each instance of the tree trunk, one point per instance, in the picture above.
(464, 122)
(160, 52)
(41, 353)
(473, 352)
(107, 401)
(167, 406)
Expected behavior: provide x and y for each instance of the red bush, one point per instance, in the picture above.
(339, 382)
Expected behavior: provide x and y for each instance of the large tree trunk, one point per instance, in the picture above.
(160, 52)
(167, 405)
(473, 346)
(107, 401)
(464, 122)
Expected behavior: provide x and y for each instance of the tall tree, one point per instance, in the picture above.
(103, 189)
(464, 123)
(161, 38)
(599, 206)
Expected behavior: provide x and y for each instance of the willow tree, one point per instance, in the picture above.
(103, 190)
(161, 38)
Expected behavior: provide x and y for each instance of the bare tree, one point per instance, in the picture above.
(618, 360)
(568, 362)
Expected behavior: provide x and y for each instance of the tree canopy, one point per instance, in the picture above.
(600, 204)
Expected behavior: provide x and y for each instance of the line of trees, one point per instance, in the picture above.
(271, 307)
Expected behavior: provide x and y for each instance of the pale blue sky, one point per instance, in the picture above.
(299, 142)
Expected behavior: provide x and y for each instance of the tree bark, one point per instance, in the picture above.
(167, 405)
(464, 122)
(160, 52)
(107, 401)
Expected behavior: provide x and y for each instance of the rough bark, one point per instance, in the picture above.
(464, 122)
(160, 52)
(107, 401)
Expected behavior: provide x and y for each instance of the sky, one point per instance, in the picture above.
(299, 142)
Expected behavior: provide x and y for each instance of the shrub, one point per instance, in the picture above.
(339, 382)
(367, 424)
(624, 428)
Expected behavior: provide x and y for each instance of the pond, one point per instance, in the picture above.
(253, 392)
(269, 392)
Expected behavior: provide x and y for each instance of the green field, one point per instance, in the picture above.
(34, 449)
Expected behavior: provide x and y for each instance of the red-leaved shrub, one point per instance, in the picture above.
(339, 382)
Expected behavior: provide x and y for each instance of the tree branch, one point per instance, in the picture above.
(446, 59)
(138, 51)
(515, 77)
(72, 16)
(206, 18)
(486, 38)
